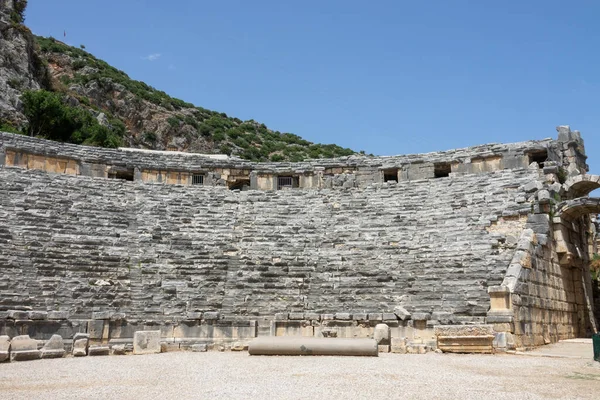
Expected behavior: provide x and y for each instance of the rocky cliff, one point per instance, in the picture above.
(153, 119)
(21, 67)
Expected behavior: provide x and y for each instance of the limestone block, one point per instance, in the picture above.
(421, 316)
(312, 316)
(193, 315)
(102, 314)
(4, 348)
(360, 316)
(296, 316)
(58, 315)
(211, 316)
(146, 342)
(382, 334)
(118, 349)
(389, 317)
(97, 350)
(398, 345)
(327, 317)
(376, 317)
(80, 347)
(24, 348)
(17, 314)
(383, 348)
(37, 315)
(401, 313)
(281, 316)
(54, 347)
(343, 316)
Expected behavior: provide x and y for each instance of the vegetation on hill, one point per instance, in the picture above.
(84, 85)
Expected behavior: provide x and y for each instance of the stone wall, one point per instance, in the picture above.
(83, 245)
(464, 237)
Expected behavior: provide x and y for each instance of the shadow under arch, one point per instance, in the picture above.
(570, 210)
(581, 185)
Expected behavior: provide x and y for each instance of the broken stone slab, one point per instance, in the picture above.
(382, 334)
(24, 348)
(37, 315)
(401, 313)
(54, 347)
(98, 350)
(146, 342)
(4, 348)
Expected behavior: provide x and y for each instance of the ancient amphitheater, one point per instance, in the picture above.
(472, 250)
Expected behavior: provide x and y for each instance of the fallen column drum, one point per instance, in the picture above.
(310, 346)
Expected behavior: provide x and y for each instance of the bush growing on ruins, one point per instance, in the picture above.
(250, 139)
(49, 117)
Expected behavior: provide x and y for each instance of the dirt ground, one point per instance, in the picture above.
(214, 375)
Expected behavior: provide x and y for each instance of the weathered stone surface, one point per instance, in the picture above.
(398, 345)
(4, 348)
(382, 334)
(402, 313)
(118, 349)
(211, 316)
(464, 330)
(96, 350)
(102, 315)
(54, 347)
(37, 315)
(146, 342)
(421, 316)
(80, 347)
(383, 348)
(24, 348)
(17, 314)
(343, 316)
(161, 251)
(58, 315)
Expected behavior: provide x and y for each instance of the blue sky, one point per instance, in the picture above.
(387, 77)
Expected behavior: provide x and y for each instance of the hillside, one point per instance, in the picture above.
(85, 100)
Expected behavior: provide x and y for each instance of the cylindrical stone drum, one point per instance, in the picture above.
(310, 346)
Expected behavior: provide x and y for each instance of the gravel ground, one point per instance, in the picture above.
(216, 375)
